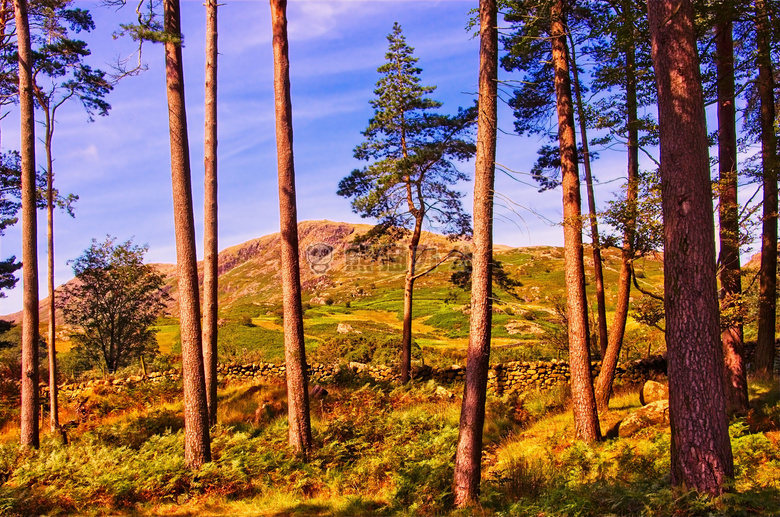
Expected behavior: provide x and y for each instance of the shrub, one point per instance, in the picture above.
(362, 348)
(245, 320)
(523, 478)
(133, 433)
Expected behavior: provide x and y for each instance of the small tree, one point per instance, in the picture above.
(410, 180)
(113, 303)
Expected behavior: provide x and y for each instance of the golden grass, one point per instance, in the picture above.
(167, 337)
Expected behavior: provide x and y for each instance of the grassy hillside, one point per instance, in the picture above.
(367, 295)
(344, 287)
(379, 450)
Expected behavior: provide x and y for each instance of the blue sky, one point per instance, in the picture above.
(120, 165)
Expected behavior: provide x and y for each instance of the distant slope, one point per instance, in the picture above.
(249, 272)
(344, 289)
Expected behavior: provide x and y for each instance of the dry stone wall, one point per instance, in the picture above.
(502, 378)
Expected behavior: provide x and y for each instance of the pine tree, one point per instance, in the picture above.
(299, 430)
(210, 224)
(767, 297)
(30, 318)
(583, 397)
(197, 446)
(701, 457)
(410, 180)
(728, 212)
(622, 56)
(468, 457)
(60, 59)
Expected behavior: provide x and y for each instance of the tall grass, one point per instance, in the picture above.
(380, 450)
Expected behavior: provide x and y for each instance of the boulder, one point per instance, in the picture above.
(654, 413)
(317, 392)
(357, 367)
(345, 328)
(652, 392)
(444, 393)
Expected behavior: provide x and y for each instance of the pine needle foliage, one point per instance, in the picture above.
(412, 149)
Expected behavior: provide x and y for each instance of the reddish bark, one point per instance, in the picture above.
(728, 212)
(767, 291)
(406, 336)
(472, 416)
(210, 224)
(618, 329)
(54, 421)
(583, 399)
(30, 319)
(598, 268)
(701, 456)
(300, 438)
(197, 447)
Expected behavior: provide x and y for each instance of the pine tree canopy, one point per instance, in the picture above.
(412, 149)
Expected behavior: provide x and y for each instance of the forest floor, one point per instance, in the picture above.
(380, 449)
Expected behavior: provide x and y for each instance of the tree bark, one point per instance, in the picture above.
(767, 291)
(300, 438)
(728, 212)
(583, 399)
(54, 421)
(197, 447)
(472, 415)
(210, 226)
(701, 456)
(411, 266)
(618, 329)
(598, 268)
(30, 374)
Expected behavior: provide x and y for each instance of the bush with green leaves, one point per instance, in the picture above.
(362, 348)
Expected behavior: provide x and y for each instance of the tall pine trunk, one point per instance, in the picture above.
(618, 329)
(197, 447)
(30, 318)
(472, 414)
(210, 223)
(701, 456)
(767, 295)
(583, 399)
(300, 438)
(54, 421)
(728, 212)
(598, 268)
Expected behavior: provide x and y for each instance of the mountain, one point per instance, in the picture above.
(355, 292)
(249, 272)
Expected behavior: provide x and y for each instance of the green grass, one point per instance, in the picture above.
(250, 343)
(372, 303)
(379, 450)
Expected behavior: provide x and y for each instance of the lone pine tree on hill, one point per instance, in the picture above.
(410, 179)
